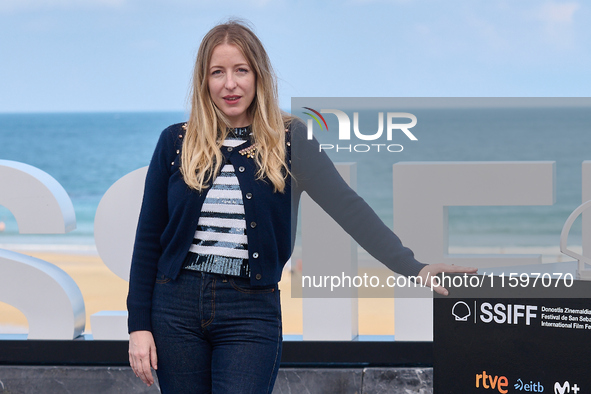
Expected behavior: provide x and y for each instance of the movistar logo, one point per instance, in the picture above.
(565, 388)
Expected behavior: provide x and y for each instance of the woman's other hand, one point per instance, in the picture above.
(431, 270)
(142, 355)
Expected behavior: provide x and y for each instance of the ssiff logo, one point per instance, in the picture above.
(461, 311)
(566, 388)
(345, 130)
(498, 313)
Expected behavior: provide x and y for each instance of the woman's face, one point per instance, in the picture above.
(232, 83)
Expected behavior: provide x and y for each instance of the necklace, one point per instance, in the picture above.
(241, 132)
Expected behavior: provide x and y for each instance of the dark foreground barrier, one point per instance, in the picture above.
(87, 366)
(121, 380)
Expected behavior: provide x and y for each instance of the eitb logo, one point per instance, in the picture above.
(344, 132)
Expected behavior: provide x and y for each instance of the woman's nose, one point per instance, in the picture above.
(230, 82)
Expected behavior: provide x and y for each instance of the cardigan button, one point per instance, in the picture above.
(255, 255)
(230, 149)
(258, 276)
(288, 143)
(241, 168)
(248, 196)
(253, 224)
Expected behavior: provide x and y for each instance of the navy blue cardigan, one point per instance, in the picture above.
(170, 212)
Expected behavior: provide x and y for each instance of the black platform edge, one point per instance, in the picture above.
(331, 354)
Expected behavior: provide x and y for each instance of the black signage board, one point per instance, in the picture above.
(505, 340)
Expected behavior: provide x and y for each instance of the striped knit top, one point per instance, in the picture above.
(220, 244)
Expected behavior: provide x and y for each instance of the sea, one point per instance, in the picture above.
(88, 152)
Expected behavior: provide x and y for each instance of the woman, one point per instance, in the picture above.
(217, 222)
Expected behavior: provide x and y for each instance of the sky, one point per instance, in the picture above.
(137, 55)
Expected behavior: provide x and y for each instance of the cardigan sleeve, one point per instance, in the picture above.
(151, 224)
(316, 174)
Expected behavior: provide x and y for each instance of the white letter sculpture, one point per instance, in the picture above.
(115, 223)
(422, 193)
(47, 296)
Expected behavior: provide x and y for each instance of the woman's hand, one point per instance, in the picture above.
(142, 354)
(431, 270)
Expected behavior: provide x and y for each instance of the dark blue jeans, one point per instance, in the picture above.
(216, 334)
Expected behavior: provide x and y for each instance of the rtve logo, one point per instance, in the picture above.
(345, 130)
(487, 381)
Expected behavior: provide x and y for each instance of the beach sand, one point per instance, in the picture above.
(103, 290)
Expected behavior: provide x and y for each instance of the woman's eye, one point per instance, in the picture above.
(243, 70)
(215, 72)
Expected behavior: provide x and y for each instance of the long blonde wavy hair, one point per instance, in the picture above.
(207, 127)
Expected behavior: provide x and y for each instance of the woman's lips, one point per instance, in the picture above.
(231, 99)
